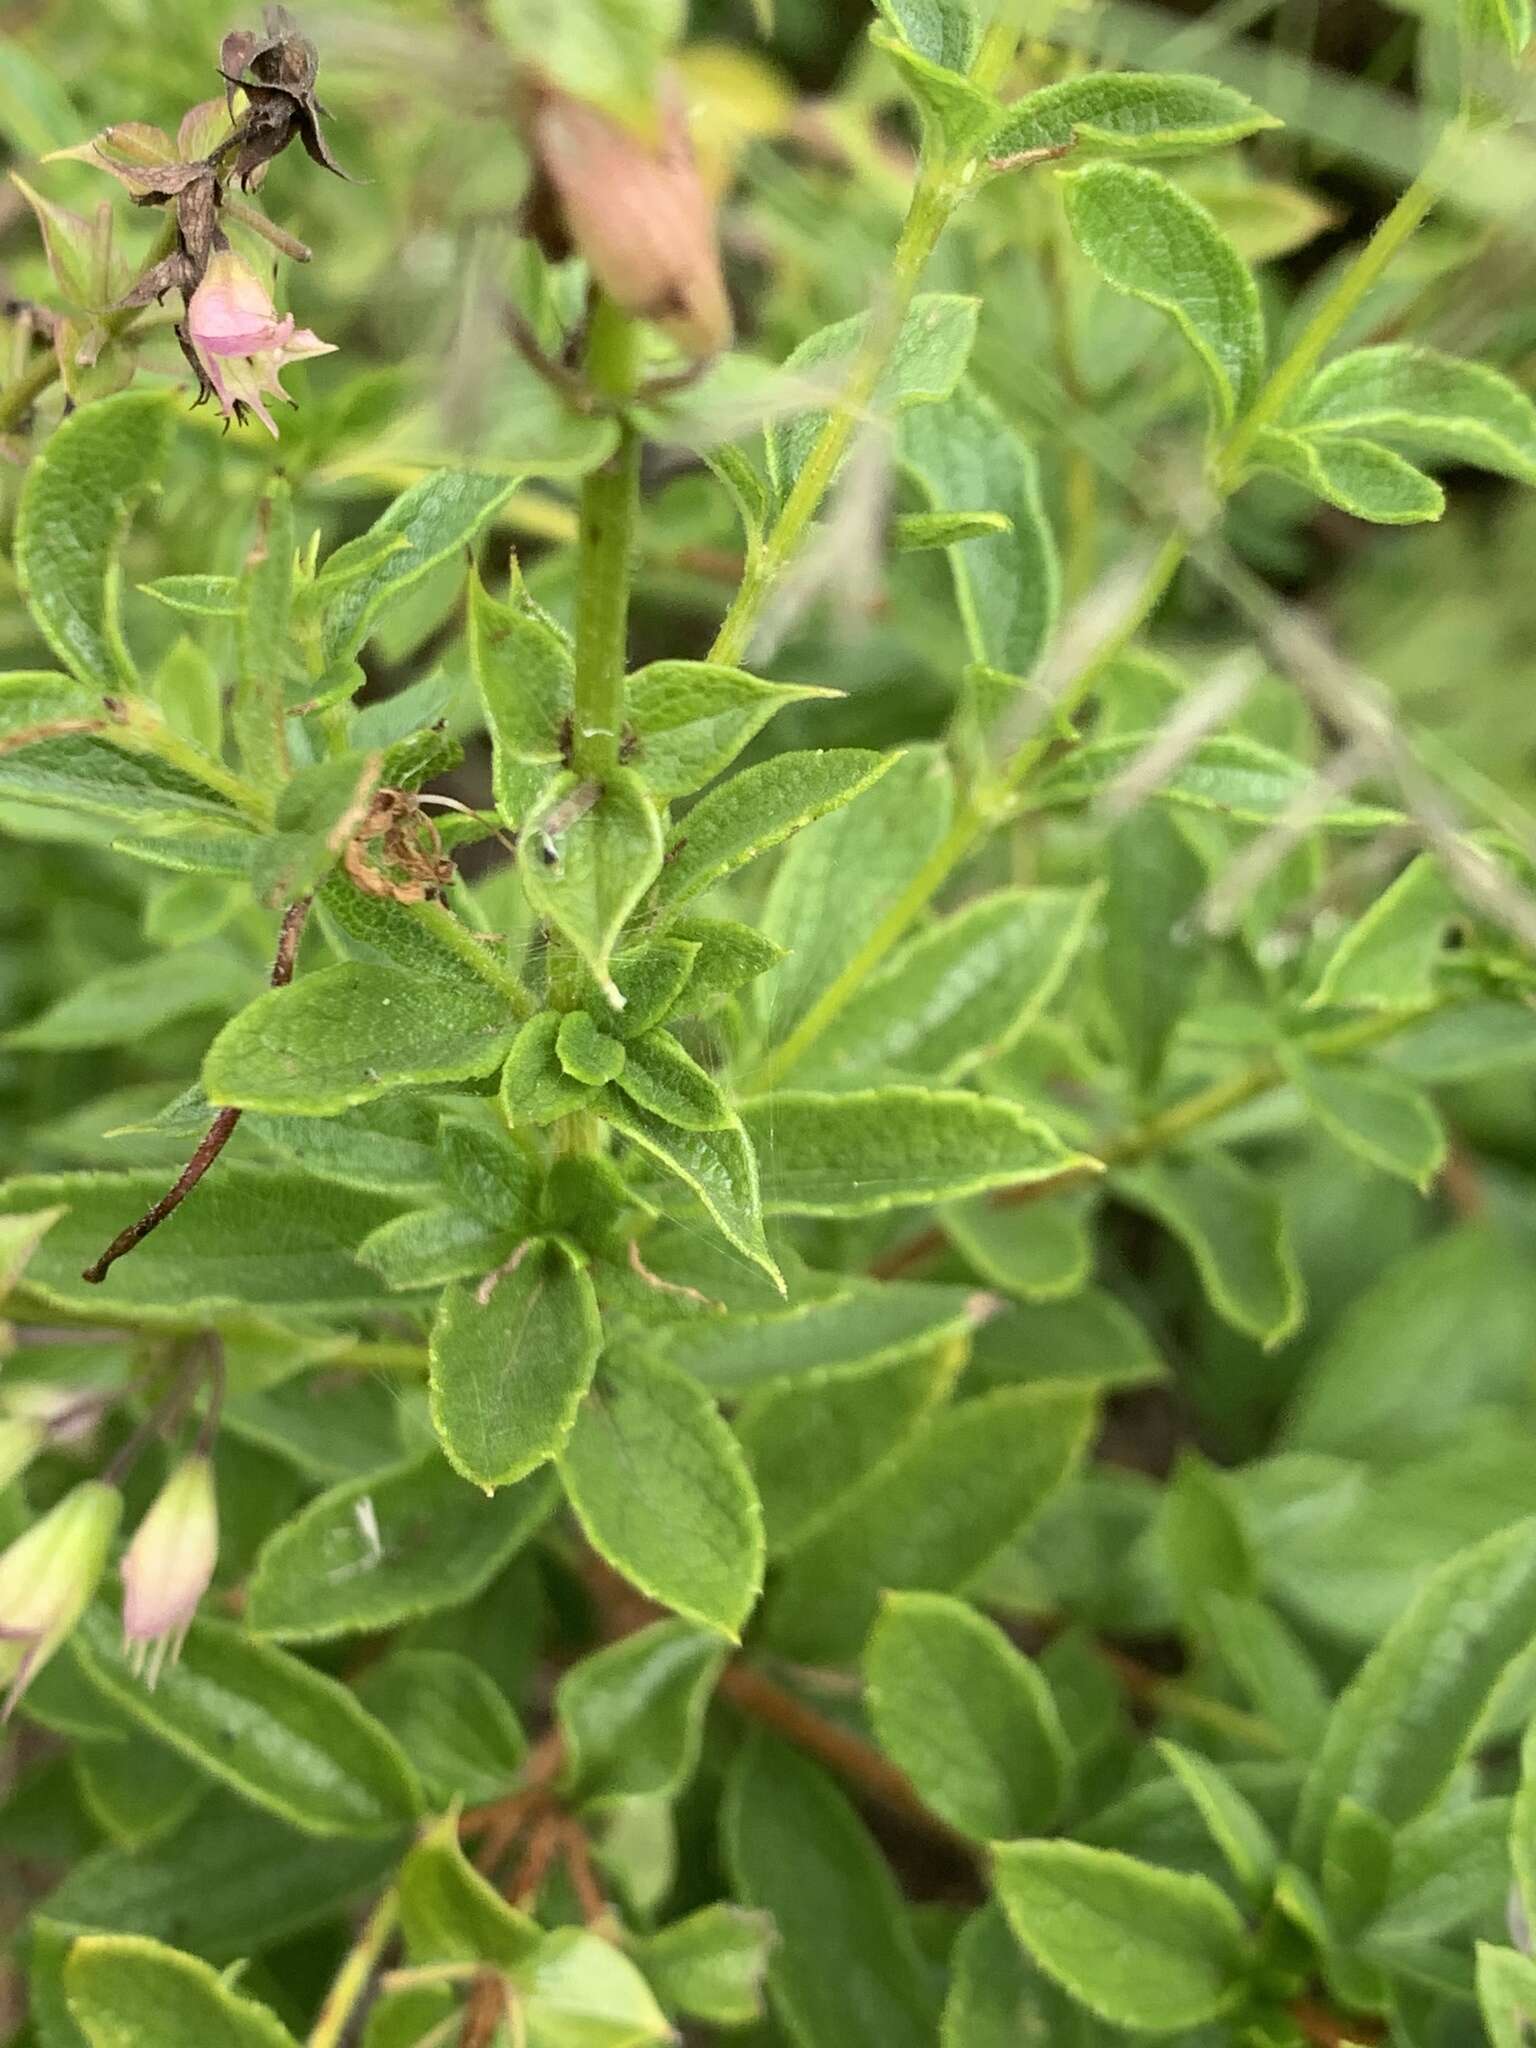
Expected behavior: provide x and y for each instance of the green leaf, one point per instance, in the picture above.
(671, 1085)
(1433, 405)
(653, 980)
(508, 1374)
(1387, 960)
(1090, 1342)
(430, 1247)
(1229, 776)
(136, 1791)
(1147, 1949)
(994, 1996)
(932, 1516)
(1149, 964)
(1449, 1869)
(957, 114)
(918, 533)
(252, 1237)
(264, 607)
(847, 1972)
(352, 1033)
(447, 1714)
(758, 809)
(632, 1714)
(884, 836)
(923, 365)
(579, 1991)
(1234, 1229)
(125, 1005)
(1506, 1995)
(200, 597)
(711, 1966)
(536, 1087)
(609, 51)
(587, 1053)
(1240, 1833)
(965, 991)
(435, 519)
(718, 1167)
(970, 1720)
(383, 1549)
(946, 32)
(125, 1991)
(490, 1173)
(1359, 476)
(1129, 113)
(1204, 1539)
(70, 523)
(968, 459)
(1389, 1122)
(1356, 1868)
(855, 1331)
(662, 1490)
(1411, 1712)
(283, 1736)
(694, 717)
(892, 1148)
(586, 857)
(1148, 239)
(729, 956)
(449, 1914)
(1522, 1833)
(525, 674)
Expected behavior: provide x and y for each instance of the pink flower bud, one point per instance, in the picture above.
(169, 1565)
(238, 341)
(47, 1576)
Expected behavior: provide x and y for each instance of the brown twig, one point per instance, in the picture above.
(928, 1244)
(1328, 2030)
(219, 1132)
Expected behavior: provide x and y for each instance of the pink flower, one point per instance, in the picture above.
(240, 344)
(169, 1564)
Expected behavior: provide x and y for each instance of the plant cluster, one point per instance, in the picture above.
(781, 1377)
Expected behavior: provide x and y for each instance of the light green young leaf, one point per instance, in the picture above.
(855, 1331)
(694, 717)
(1204, 1540)
(430, 1247)
(1036, 1251)
(1433, 405)
(536, 1086)
(450, 1914)
(525, 674)
(1228, 775)
(1375, 1112)
(1506, 1995)
(1411, 1712)
(957, 115)
(509, 1373)
(1129, 113)
(1356, 1868)
(1091, 1342)
(586, 1052)
(970, 1720)
(579, 1991)
(1449, 1869)
(653, 979)
(965, 991)
(711, 1965)
(125, 1992)
(282, 1735)
(452, 1721)
(1270, 1667)
(384, 1549)
(74, 510)
(1149, 239)
(668, 1083)
(757, 809)
(719, 1168)
(847, 1972)
(932, 1516)
(919, 533)
(1147, 1949)
(1237, 1830)
(1522, 1832)
(632, 1714)
(884, 836)
(922, 367)
(1387, 960)
(893, 1148)
(1234, 1229)
(352, 1033)
(1149, 965)
(968, 459)
(662, 1490)
(1359, 476)
(586, 857)
(435, 519)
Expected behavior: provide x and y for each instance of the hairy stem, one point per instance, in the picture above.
(610, 500)
(355, 1979)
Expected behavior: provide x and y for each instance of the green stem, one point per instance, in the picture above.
(610, 501)
(18, 398)
(356, 1975)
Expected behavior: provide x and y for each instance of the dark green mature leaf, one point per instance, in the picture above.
(1412, 1710)
(1376, 1113)
(890, 1148)
(1149, 239)
(350, 1034)
(125, 1991)
(1129, 113)
(922, 367)
(995, 1999)
(434, 519)
(1148, 1949)
(509, 1372)
(1229, 776)
(967, 458)
(757, 809)
(1091, 1341)
(1150, 964)
(965, 991)
(718, 1167)
(1359, 476)
(933, 1515)
(847, 1972)
(452, 1721)
(632, 1714)
(662, 1489)
(1434, 405)
(586, 857)
(380, 1550)
(852, 1332)
(525, 674)
(283, 1736)
(71, 521)
(694, 717)
(970, 1720)
(1234, 1229)
(252, 1237)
